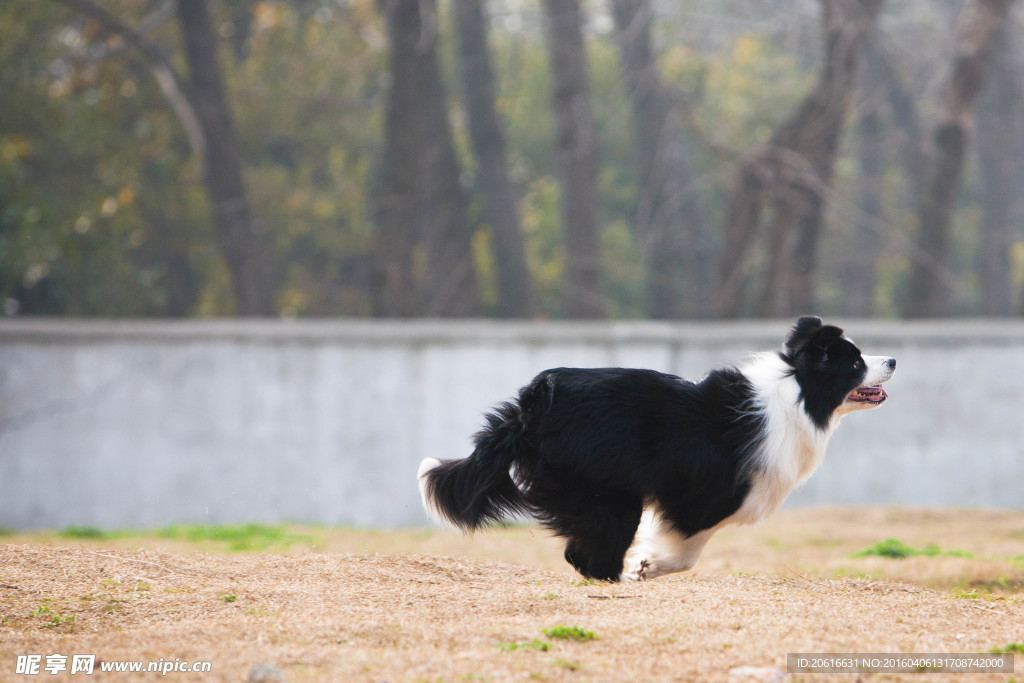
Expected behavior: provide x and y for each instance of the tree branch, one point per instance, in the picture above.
(166, 77)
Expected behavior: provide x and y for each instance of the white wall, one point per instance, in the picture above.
(137, 424)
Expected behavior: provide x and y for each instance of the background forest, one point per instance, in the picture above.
(511, 158)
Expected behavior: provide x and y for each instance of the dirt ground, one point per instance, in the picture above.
(429, 605)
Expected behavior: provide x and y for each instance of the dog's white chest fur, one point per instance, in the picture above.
(791, 449)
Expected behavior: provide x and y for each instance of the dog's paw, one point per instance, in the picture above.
(638, 572)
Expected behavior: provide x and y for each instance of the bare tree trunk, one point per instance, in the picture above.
(930, 288)
(670, 219)
(244, 247)
(882, 83)
(449, 285)
(394, 292)
(741, 225)
(860, 259)
(999, 125)
(421, 202)
(866, 249)
(905, 116)
(793, 173)
(515, 289)
(576, 160)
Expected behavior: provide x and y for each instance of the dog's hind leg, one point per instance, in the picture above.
(598, 530)
(660, 549)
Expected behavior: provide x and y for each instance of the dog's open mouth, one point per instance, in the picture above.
(873, 393)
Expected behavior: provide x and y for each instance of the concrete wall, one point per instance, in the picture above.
(118, 424)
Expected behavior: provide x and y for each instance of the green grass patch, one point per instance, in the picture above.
(535, 644)
(897, 549)
(238, 537)
(1008, 649)
(230, 537)
(569, 633)
(83, 532)
(53, 620)
(58, 620)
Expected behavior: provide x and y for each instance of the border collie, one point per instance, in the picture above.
(637, 469)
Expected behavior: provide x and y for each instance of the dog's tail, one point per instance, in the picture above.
(480, 490)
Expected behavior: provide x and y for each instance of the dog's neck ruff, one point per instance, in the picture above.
(791, 445)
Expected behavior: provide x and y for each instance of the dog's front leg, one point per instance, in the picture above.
(659, 549)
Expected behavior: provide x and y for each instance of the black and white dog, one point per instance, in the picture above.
(637, 469)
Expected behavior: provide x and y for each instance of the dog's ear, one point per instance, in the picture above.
(803, 330)
(826, 336)
(808, 342)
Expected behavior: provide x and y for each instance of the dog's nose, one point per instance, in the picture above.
(891, 363)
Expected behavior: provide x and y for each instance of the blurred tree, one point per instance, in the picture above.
(394, 284)
(88, 160)
(902, 104)
(858, 268)
(242, 240)
(206, 116)
(931, 281)
(792, 173)
(669, 216)
(889, 154)
(422, 208)
(1000, 118)
(103, 211)
(515, 289)
(311, 137)
(449, 286)
(576, 160)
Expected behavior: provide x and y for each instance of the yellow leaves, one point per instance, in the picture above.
(14, 147)
(747, 50)
(34, 274)
(481, 244)
(541, 223)
(365, 12)
(337, 160)
(314, 32)
(741, 71)
(747, 89)
(110, 205)
(306, 201)
(1017, 264)
(502, 106)
(268, 15)
(324, 208)
(684, 67)
(293, 301)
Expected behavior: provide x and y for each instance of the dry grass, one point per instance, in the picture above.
(330, 604)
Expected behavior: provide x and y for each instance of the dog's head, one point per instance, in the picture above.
(834, 377)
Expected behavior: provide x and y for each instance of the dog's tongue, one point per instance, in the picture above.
(869, 394)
